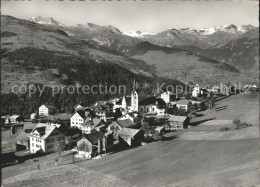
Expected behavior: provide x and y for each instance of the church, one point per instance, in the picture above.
(130, 103)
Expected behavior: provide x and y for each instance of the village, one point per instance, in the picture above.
(107, 126)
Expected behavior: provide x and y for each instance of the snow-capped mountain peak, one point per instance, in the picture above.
(45, 21)
(138, 34)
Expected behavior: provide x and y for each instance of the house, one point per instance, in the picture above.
(183, 104)
(45, 110)
(106, 105)
(16, 119)
(225, 89)
(132, 116)
(196, 91)
(177, 122)
(80, 117)
(33, 116)
(168, 96)
(46, 138)
(131, 137)
(119, 124)
(100, 112)
(7, 152)
(152, 105)
(79, 107)
(91, 145)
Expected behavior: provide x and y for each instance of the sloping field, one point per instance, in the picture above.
(69, 175)
(245, 133)
(169, 163)
(179, 163)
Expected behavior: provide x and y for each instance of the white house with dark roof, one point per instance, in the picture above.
(152, 105)
(45, 110)
(80, 119)
(46, 138)
(168, 96)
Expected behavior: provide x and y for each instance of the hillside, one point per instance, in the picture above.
(242, 53)
(107, 44)
(186, 66)
(17, 34)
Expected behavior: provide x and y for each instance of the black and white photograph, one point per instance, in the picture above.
(130, 93)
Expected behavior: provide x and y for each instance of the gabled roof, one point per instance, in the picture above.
(81, 113)
(182, 102)
(44, 130)
(7, 147)
(125, 123)
(93, 137)
(177, 118)
(128, 132)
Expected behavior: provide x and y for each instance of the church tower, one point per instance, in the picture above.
(134, 98)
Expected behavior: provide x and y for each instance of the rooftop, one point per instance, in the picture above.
(128, 132)
(126, 123)
(177, 118)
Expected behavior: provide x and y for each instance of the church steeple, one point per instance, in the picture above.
(134, 98)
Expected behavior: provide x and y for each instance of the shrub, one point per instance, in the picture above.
(236, 123)
(224, 129)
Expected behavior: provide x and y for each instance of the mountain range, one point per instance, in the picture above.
(206, 56)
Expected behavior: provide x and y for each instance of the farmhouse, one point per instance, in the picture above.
(79, 118)
(45, 110)
(46, 138)
(91, 145)
(177, 122)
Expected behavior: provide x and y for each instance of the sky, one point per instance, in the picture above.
(147, 16)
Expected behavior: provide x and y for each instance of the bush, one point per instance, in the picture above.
(224, 129)
(236, 123)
